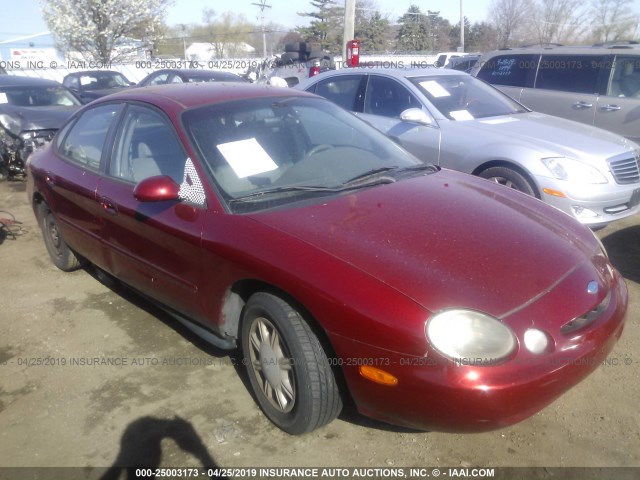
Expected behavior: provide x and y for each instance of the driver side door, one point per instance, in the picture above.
(154, 246)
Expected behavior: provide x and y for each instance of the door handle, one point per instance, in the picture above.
(581, 105)
(108, 206)
(610, 108)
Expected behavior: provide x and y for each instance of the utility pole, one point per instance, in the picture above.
(461, 28)
(262, 5)
(349, 26)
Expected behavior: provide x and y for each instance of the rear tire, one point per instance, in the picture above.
(288, 369)
(60, 253)
(509, 178)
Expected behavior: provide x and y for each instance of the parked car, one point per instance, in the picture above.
(94, 84)
(598, 85)
(188, 75)
(31, 110)
(463, 64)
(443, 58)
(461, 123)
(299, 62)
(272, 220)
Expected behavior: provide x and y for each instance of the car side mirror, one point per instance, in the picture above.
(157, 189)
(416, 115)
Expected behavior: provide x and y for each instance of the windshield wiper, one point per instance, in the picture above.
(312, 188)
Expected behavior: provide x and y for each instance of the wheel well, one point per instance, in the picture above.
(233, 305)
(238, 295)
(512, 166)
(37, 200)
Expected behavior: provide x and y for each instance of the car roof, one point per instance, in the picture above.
(187, 95)
(94, 72)
(597, 49)
(20, 81)
(392, 72)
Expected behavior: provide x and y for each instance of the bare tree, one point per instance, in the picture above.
(612, 20)
(509, 18)
(560, 21)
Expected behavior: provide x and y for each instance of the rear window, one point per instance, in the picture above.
(570, 73)
(509, 70)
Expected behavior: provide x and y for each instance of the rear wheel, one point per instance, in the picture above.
(510, 178)
(60, 253)
(288, 368)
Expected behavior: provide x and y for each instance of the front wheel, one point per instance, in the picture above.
(288, 368)
(60, 253)
(509, 178)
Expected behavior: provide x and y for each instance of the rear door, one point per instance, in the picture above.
(568, 86)
(619, 109)
(154, 246)
(72, 179)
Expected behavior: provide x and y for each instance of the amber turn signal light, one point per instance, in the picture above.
(379, 376)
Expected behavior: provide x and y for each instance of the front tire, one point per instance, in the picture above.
(60, 253)
(288, 369)
(509, 178)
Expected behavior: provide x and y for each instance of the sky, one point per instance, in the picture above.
(26, 19)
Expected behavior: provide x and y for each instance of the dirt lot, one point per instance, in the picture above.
(174, 401)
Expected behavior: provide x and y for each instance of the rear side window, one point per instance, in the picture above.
(570, 73)
(84, 142)
(345, 90)
(510, 70)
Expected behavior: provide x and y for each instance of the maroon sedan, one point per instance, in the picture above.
(274, 221)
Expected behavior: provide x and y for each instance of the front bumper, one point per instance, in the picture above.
(593, 205)
(439, 394)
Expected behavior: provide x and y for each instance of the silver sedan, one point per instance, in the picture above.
(459, 122)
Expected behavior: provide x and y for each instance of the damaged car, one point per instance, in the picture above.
(31, 111)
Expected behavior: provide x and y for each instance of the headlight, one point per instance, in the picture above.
(466, 334)
(573, 171)
(10, 124)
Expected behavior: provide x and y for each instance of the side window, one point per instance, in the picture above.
(159, 79)
(84, 142)
(509, 70)
(146, 146)
(388, 98)
(625, 81)
(570, 73)
(346, 91)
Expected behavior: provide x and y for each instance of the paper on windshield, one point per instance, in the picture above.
(3, 98)
(247, 157)
(497, 121)
(434, 88)
(461, 115)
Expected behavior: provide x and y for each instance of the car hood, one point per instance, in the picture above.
(550, 135)
(445, 240)
(39, 118)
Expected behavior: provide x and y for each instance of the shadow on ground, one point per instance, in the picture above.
(141, 446)
(623, 247)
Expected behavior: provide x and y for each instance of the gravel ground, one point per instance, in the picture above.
(170, 400)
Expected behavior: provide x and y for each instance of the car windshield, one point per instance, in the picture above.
(463, 97)
(99, 81)
(292, 147)
(37, 96)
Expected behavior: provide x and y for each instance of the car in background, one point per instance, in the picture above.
(299, 62)
(462, 123)
(31, 111)
(94, 84)
(272, 220)
(188, 75)
(443, 58)
(597, 85)
(2, 70)
(463, 64)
